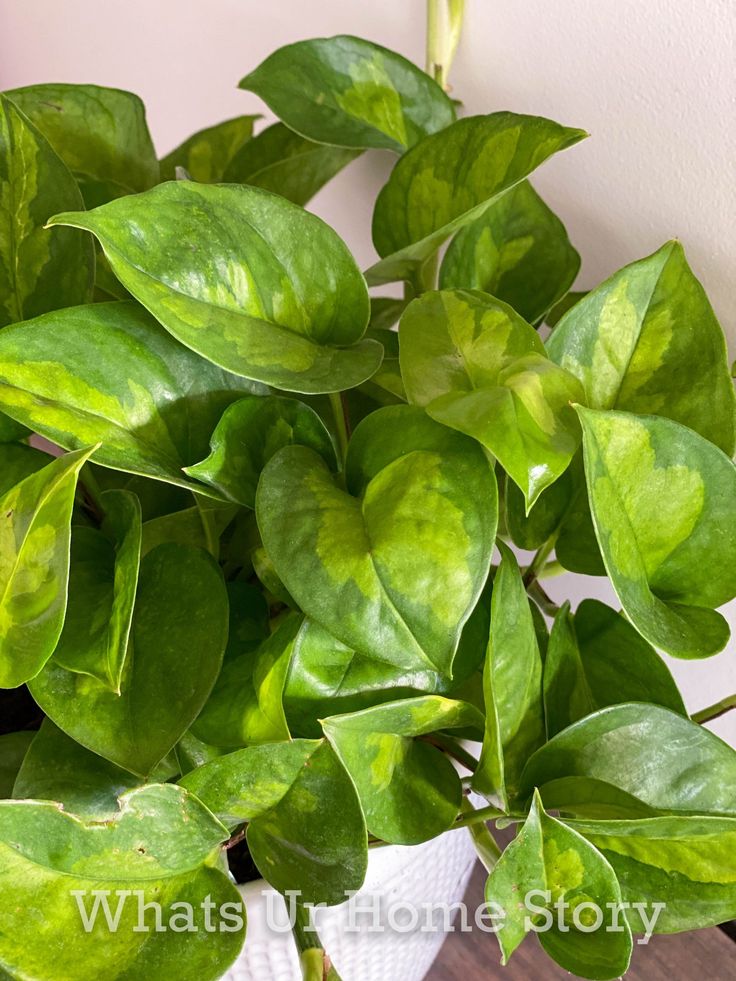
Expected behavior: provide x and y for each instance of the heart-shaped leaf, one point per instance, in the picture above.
(40, 270)
(682, 867)
(648, 752)
(119, 379)
(246, 704)
(35, 519)
(177, 643)
(647, 341)
(249, 434)
(662, 498)
(450, 178)
(99, 133)
(102, 584)
(350, 559)
(305, 826)
(282, 161)
(518, 251)
(477, 367)
(206, 155)
(512, 686)
(595, 659)
(352, 93)
(409, 790)
(269, 292)
(160, 847)
(548, 863)
(13, 748)
(58, 769)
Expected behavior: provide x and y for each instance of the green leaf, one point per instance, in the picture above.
(18, 462)
(282, 161)
(449, 179)
(190, 526)
(595, 659)
(207, 154)
(56, 768)
(250, 432)
(409, 790)
(99, 133)
(11, 431)
(664, 508)
(40, 270)
(348, 92)
(512, 686)
(246, 704)
(269, 292)
(477, 367)
(686, 865)
(419, 497)
(547, 864)
(305, 826)
(35, 517)
(648, 752)
(13, 748)
(102, 584)
(647, 341)
(555, 315)
(162, 843)
(118, 379)
(177, 642)
(518, 251)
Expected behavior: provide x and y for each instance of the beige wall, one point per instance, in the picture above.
(652, 81)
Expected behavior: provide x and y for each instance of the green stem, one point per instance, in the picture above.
(539, 561)
(486, 845)
(92, 492)
(315, 963)
(341, 425)
(543, 601)
(551, 570)
(715, 711)
(454, 748)
(472, 816)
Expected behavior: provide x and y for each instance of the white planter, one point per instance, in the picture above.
(425, 878)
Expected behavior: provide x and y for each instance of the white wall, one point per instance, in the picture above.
(652, 81)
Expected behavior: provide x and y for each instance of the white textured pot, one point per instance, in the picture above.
(399, 879)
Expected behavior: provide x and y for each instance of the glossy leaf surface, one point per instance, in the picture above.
(282, 161)
(409, 790)
(350, 559)
(250, 432)
(662, 498)
(178, 639)
(35, 518)
(269, 292)
(351, 93)
(40, 269)
(119, 379)
(477, 367)
(647, 341)
(305, 826)
(548, 859)
(206, 155)
(512, 686)
(518, 251)
(163, 842)
(100, 133)
(450, 178)
(102, 585)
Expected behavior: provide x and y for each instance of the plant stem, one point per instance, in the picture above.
(92, 493)
(715, 711)
(550, 570)
(480, 815)
(315, 963)
(341, 425)
(444, 26)
(536, 565)
(543, 601)
(486, 845)
(454, 748)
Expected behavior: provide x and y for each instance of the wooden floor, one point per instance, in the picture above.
(706, 955)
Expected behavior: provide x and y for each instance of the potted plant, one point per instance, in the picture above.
(264, 608)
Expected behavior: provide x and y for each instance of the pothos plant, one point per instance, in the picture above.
(259, 598)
